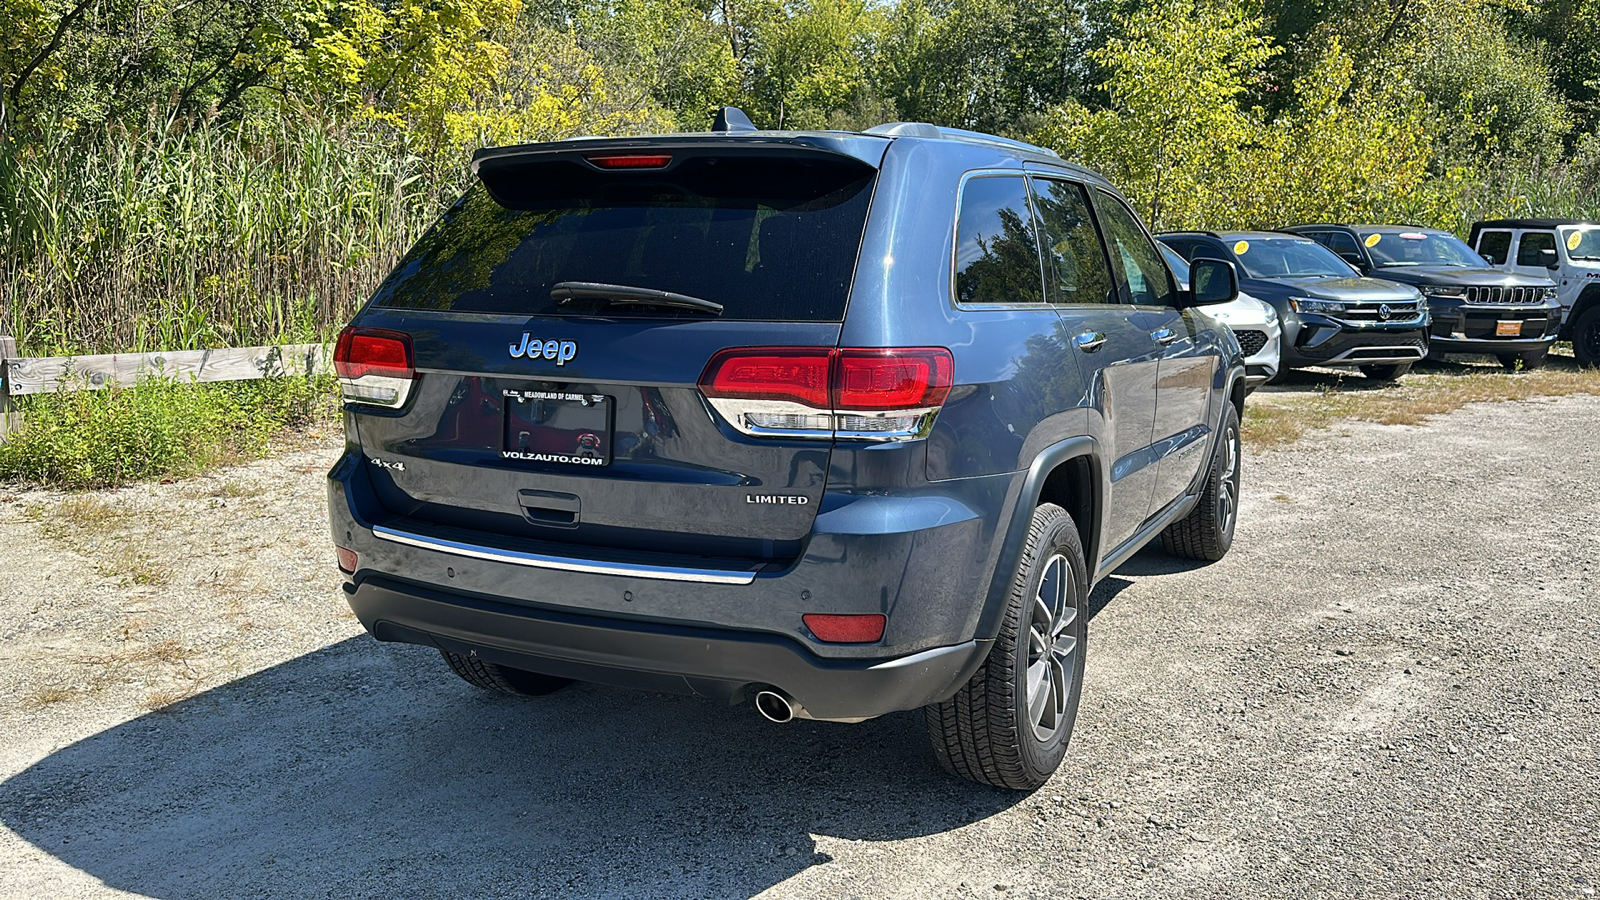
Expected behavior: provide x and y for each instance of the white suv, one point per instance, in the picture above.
(1567, 251)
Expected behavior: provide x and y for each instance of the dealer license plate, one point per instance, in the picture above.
(1508, 329)
(555, 427)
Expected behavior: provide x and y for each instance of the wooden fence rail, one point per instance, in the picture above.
(20, 376)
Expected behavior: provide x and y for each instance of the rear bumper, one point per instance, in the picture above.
(716, 663)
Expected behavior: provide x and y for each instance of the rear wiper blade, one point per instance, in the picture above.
(566, 292)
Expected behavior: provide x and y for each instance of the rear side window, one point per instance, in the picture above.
(1495, 246)
(768, 237)
(1075, 260)
(1339, 242)
(1141, 275)
(997, 252)
(1533, 243)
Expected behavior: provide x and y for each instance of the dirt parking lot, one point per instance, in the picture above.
(1389, 688)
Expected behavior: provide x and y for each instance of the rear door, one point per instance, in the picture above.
(1114, 347)
(572, 414)
(1185, 368)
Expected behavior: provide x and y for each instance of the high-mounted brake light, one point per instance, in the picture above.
(374, 366)
(630, 160)
(888, 394)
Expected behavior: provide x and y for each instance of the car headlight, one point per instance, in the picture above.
(1309, 305)
(1552, 293)
(1443, 290)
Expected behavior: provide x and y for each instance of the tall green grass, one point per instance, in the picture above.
(195, 235)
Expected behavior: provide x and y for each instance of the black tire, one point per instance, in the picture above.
(1206, 532)
(503, 679)
(987, 732)
(1526, 362)
(1586, 337)
(1386, 373)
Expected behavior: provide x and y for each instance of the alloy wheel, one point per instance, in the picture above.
(1052, 641)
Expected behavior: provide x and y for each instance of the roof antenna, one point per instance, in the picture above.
(732, 119)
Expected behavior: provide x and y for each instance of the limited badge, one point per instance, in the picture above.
(1241, 248)
(1373, 239)
(1574, 239)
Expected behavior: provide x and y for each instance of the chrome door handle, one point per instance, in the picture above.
(1089, 341)
(1164, 336)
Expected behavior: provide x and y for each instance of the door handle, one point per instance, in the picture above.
(1089, 341)
(1164, 336)
(549, 508)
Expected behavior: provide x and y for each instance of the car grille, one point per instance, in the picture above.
(1372, 313)
(1251, 342)
(1506, 296)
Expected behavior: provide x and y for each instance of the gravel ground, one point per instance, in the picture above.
(1389, 688)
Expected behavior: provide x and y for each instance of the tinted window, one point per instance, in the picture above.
(1495, 246)
(1141, 275)
(1075, 260)
(1286, 257)
(997, 254)
(768, 238)
(1420, 248)
(1533, 243)
(1337, 241)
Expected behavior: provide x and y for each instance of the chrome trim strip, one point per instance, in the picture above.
(562, 563)
(1401, 354)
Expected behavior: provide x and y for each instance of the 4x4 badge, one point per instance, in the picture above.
(533, 348)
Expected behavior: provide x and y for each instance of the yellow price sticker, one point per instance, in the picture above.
(1373, 239)
(1574, 239)
(1241, 248)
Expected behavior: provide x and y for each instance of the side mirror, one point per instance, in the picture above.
(1549, 259)
(1354, 259)
(1212, 281)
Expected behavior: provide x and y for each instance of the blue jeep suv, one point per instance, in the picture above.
(834, 424)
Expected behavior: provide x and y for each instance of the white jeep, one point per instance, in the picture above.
(1567, 251)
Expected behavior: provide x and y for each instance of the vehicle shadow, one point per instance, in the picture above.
(364, 769)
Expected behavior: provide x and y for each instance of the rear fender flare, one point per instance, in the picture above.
(1016, 531)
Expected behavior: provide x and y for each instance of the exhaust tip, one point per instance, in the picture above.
(774, 707)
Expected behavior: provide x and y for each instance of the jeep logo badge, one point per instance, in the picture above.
(533, 348)
(1384, 312)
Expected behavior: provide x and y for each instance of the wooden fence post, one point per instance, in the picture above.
(9, 420)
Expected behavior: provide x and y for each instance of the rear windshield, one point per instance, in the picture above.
(768, 238)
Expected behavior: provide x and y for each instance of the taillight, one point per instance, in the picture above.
(348, 560)
(821, 392)
(374, 366)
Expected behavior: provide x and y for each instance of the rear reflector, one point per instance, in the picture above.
(348, 560)
(374, 366)
(845, 629)
(883, 394)
(631, 160)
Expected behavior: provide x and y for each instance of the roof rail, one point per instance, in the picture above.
(926, 130)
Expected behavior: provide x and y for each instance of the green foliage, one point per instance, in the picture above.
(1178, 137)
(158, 428)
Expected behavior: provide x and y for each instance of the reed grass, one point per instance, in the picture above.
(196, 235)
